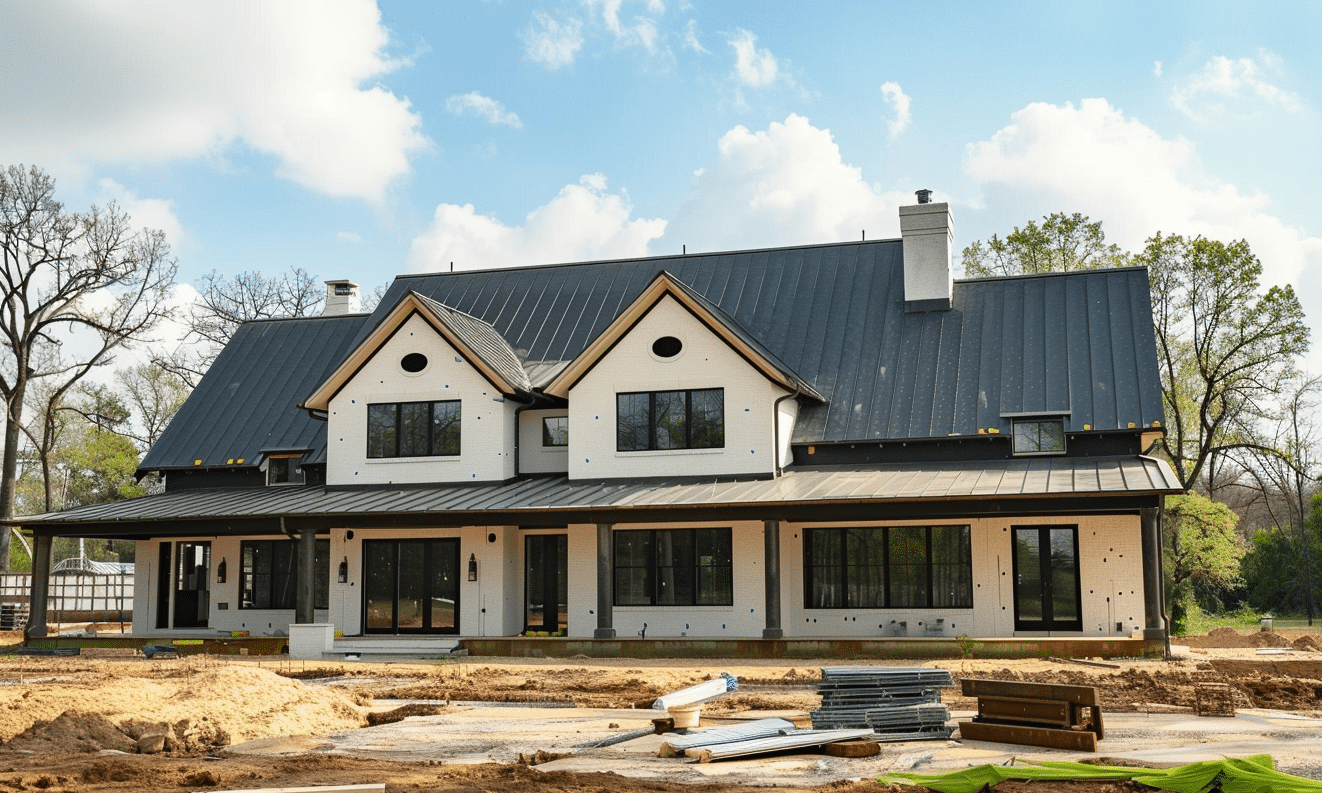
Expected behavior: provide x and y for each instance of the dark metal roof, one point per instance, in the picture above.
(1076, 343)
(551, 498)
(248, 400)
(485, 341)
(749, 339)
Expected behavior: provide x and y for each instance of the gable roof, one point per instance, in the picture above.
(477, 341)
(712, 316)
(248, 400)
(1078, 344)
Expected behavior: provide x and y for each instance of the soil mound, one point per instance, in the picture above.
(69, 733)
(1231, 638)
(1307, 643)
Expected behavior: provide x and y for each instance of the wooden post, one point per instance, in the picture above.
(605, 585)
(41, 551)
(771, 556)
(305, 598)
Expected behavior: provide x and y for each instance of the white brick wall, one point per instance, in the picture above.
(487, 434)
(705, 362)
(534, 458)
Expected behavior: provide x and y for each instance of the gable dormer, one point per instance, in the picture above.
(423, 398)
(674, 386)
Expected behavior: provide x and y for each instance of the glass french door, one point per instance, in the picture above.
(1047, 594)
(185, 589)
(546, 582)
(411, 586)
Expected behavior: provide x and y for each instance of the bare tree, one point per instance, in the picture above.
(153, 395)
(74, 288)
(227, 303)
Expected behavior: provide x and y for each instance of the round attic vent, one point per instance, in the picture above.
(413, 363)
(667, 347)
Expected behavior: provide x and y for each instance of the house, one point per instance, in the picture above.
(817, 442)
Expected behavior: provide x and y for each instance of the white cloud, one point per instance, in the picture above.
(899, 102)
(351, 237)
(1222, 79)
(157, 80)
(753, 67)
(640, 31)
(484, 106)
(786, 185)
(691, 40)
(1095, 160)
(552, 43)
(1156, 68)
(151, 213)
(583, 222)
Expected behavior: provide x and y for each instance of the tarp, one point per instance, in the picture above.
(1255, 774)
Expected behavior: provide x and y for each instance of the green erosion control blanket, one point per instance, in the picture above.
(1232, 775)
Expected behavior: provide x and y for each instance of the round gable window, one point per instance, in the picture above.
(667, 347)
(413, 363)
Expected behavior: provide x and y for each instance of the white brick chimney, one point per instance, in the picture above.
(928, 232)
(341, 298)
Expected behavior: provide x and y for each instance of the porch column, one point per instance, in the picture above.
(605, 585)
(1154, 599)
(41, 550)
(305, 598)
(771, 557)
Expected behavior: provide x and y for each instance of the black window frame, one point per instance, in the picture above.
(645, 578)
(284, 469)
(630, 429)
(1033, 429)
(549, 436)
(275, 588)
(868, 572)
(378, 430)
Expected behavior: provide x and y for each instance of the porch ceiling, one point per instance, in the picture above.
(1026, 486)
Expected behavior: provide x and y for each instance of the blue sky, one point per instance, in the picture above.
(360, 140)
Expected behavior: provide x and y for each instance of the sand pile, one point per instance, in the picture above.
(192, 707)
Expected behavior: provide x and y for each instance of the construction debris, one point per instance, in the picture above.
(762, 728)
(698, 694)
(899, 704)
(1034, 714)
(1215, 699)
(786, 741)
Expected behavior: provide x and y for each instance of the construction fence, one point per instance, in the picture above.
(78, 598)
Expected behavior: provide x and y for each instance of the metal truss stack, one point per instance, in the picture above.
(898, 704)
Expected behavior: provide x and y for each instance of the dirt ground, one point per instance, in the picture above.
(126, 723)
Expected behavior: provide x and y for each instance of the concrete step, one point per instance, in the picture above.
(373, 647)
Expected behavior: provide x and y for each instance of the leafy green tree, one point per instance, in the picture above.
(1274, 568)
(1062, 243)
(1203, 551)
(1225, 347)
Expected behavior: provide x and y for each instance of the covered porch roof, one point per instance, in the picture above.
(1058, 485)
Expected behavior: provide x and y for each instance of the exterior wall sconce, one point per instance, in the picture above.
(472, 567)
(220, 571)
(344, 570)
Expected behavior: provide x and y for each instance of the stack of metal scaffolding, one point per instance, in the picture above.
(899, 704)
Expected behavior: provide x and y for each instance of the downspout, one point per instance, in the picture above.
(1161, 570)
(775, 428)
(518, 456)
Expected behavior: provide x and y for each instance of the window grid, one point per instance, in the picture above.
(673, 567)
(914, 567)
(413, 429)
(269, 574)
(661, 420)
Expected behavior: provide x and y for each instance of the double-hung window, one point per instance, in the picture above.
(269, 577)
(413, 429)
(655, 420)
(888, 567)
(674, 567)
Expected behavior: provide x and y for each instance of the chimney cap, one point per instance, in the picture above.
(924, 196)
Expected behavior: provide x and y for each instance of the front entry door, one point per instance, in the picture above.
(1046, 579)
(192, 596)
(546, 557)
(412, 586)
